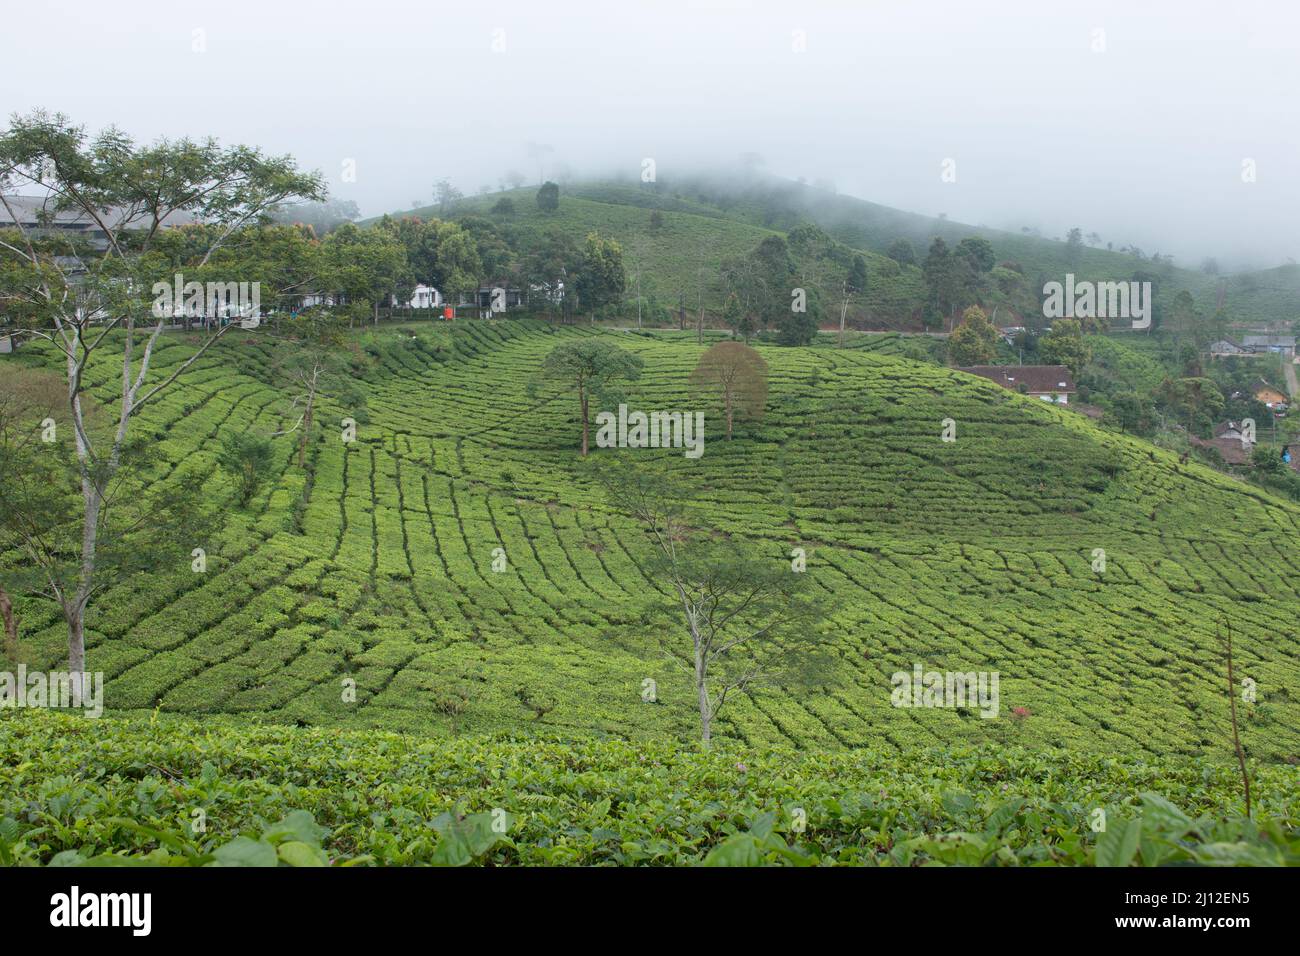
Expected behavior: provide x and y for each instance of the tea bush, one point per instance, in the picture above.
(163, 791)
(374, 564)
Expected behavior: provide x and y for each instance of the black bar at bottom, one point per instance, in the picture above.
(334, 906)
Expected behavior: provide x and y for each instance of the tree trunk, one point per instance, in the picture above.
(706, 716)
(11, 627)
(844, 311)
(75, 615)
(306, 430)
(727, 400)
(584, 424)
(74, 610)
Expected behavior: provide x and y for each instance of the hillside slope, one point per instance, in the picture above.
(376, 565)
(707, 218)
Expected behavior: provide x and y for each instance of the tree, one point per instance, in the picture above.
(1011, 284)
(322, 217)
(740, 321)
(550, 266)
(310, 364)
(748, 616)
(602, 279)
(446, 196)
(947, 278)
(286, 260)
(458, 268)
(590, 367)
(496, 257)
(98, 304)
(30, 399)
(977, 252)
(744, 288)
(656, 220)
(247, 459)
(735, 375)
(637, 247)
(854, 283)
(901, 251)
(366, 265)
(798, 327)
(548, 197)
(1155, 301)
(704, 279)
(1267, 460)
(770, 271)
(141, 527)
(1131, 411)
(1065, 345)
(1187, 319)
(1074, 246)
(1193, 399)
(974, 341)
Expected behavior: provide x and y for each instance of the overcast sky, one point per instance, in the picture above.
(1132, 119)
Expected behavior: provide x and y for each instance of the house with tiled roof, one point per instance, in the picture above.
(1051, 383)
(1270, 395)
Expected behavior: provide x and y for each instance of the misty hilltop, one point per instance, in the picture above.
(681, 230)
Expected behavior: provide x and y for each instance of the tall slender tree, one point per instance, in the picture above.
(87, 299)
(591, 368)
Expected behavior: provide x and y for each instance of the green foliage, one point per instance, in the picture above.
(548, 197)
(1074, 247)
(1195, 400)
(1064, 345)
(601, 278)
(366, 265)
(978, 253)
(247, 458)
(974, 341)
(901, 251)
(593, 368)
(118, 792)
(706, 220)
(948, 278)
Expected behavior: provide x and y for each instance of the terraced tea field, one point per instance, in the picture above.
(375, 562)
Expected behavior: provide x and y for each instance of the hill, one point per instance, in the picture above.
(705, 218)
(374, 564)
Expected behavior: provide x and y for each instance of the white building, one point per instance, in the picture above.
(422, 297)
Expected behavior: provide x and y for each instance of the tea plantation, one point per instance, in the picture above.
(162, 791)
(375, 562)
(456, 565)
